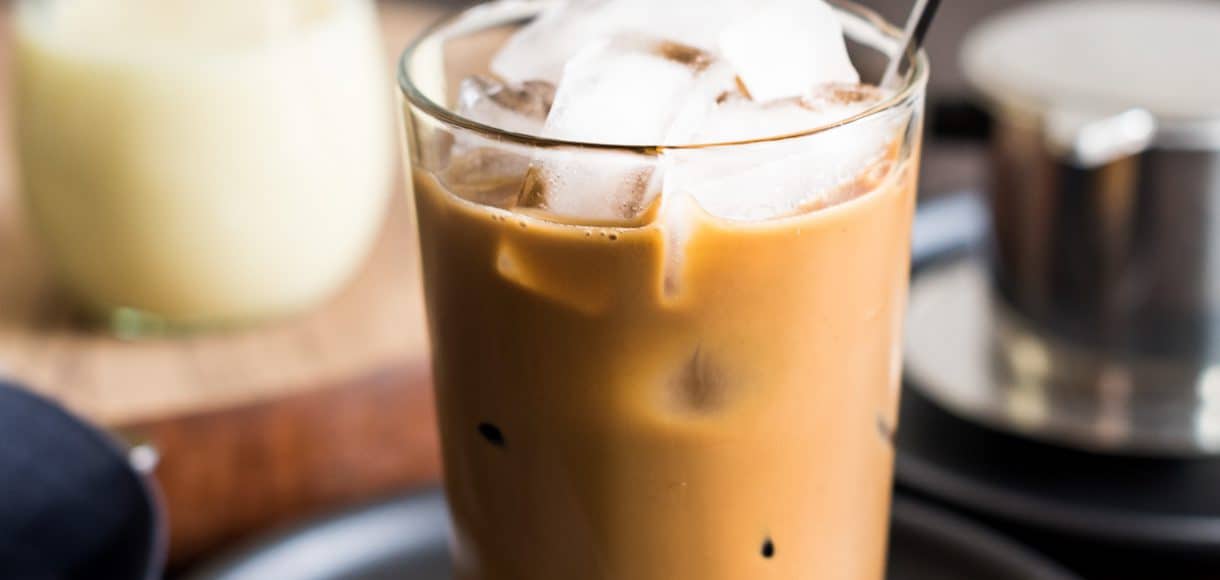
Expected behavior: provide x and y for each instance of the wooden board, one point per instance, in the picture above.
(253, 427)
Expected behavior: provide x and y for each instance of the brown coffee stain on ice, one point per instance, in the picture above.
(695, 58)
(532, 99)
(486, 176)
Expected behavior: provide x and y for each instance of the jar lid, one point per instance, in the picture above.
(1105, 57)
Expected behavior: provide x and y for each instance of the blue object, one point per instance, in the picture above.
(71, 505)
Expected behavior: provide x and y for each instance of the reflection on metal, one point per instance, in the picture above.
(1114, 389)
(973, 355)
(1027, 404)
(1091, 141)
(1207, 418)
(144, 458)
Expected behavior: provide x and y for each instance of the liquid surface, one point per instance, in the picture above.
(205, 162)
(600, 422)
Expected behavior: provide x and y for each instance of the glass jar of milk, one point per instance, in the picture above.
(199, 163)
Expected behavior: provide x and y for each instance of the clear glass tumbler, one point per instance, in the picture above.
(637, 401)
(191, 164)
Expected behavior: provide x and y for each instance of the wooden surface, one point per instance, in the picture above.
(255, 427)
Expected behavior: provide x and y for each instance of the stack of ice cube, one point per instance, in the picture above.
(675, 72)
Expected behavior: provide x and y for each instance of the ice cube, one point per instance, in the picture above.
(487, 174)
(696, 23)
(630, 89)
(677, 213)
(735, 118)
(698, 387)
(482, 168)
(783, 176)
(519, 109)
(540, 49)
(560, 274)
(788, 47)
(600, 186)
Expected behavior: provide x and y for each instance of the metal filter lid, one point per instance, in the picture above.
(1081, 60)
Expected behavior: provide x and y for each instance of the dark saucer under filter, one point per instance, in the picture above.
(1170, 503)
(1146, 502)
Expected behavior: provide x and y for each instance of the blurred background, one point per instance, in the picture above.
(248, 430)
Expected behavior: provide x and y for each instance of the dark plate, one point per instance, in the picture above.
(406, 539)
(1151, 503)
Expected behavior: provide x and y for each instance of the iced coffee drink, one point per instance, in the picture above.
(665, 253)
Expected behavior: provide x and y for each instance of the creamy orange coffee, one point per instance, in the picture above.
(696, 379)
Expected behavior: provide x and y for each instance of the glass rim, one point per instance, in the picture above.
(913, 83)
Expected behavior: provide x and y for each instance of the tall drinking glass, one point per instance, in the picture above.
(648, 400)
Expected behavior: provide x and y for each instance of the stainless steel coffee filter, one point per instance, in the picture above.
(1105, 205)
